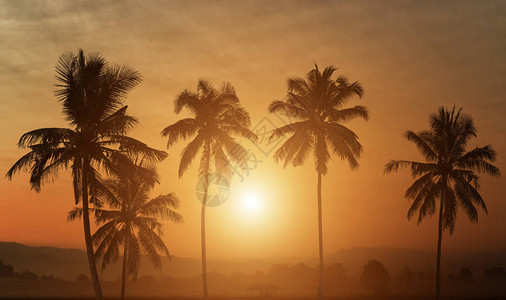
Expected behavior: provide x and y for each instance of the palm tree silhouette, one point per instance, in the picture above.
(448, 173)
(217, 116)
(92, 93)
(132, 221)
(317, 106)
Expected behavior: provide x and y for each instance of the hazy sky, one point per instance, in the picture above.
(411, 57)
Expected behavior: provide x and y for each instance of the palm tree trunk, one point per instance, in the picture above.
(203, 235)
(87, 232)
(123, 273)
(320, 237)
(439, 238)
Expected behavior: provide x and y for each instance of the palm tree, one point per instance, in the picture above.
(216, 117)
(448, 174)
(132, 221)
(92, 93)
(316, 104)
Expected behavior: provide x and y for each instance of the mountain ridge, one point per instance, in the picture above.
(68, 263)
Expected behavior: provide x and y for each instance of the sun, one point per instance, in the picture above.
(251, 203)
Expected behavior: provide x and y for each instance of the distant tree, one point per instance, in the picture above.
(258, 275)
(335, 271)
(147, 281)
(27, 275)
(463, 282)
(6, 270)
(334, 277)
(405, 278)
(216, 116)
(276, 270)
(92, 94)
(466, 276)
(131, 220)
(375, 277)
(495, 273)
(448, 174)
(406, 273)
(50, 280)
(83, 280)
(317, 104)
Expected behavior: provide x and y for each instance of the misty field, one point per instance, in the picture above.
(282, 298)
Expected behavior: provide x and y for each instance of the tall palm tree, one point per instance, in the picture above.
(448, 174)
(132, 220)
(216, 116)
(316, 104)
(92, 94)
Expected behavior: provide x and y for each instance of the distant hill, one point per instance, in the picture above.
(69, 263)
(63, 263)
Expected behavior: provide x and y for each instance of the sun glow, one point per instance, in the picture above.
(251, 202)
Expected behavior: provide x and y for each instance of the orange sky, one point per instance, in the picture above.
(410, 57)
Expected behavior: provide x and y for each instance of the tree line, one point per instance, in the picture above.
(286, 280)
(113, 173)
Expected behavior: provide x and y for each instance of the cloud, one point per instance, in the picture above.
(410, 56)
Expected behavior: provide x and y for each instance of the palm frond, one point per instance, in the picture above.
(152, 244)
(450, 209)
(51, 137)
(422, 144)
(118, 123)
(344, 143)
(348, 114)
(111, 254)
(134, 257)
(162, 207)
(287, 129)
(321, 154)
(187, 99)
(289, 148)
(428, 197)
(135, 148)
(182, 129)
(288, 109)
(189, 153)
(417, 168)
(413, 191)
(104, 234)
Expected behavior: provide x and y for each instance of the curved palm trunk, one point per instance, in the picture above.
(203, 235)
(320, 237)
(87, 233)
(439, 238)
(123, 273)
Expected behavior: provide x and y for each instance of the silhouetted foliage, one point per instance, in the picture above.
(463, 282)
(216, 116)
(131, 220)
(92, 94)
(6, 270)
(448, 175)
(375, 277)
(27, 275)
(316, 103)
(495, 273)
(83, 280)
(466, 276)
